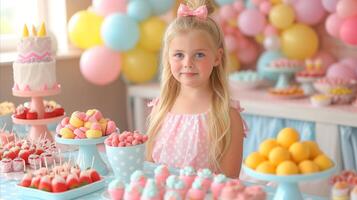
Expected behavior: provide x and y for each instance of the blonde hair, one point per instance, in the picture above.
(218, 115)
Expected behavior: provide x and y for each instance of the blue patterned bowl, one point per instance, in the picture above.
(125, 160)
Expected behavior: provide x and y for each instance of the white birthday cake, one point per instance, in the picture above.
(34, 68)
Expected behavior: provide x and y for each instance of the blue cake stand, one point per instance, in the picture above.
(87, 151)
(284, 75)
(288, 185)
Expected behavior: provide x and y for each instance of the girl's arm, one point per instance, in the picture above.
(232, 159)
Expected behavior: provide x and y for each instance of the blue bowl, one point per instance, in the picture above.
(126, 160)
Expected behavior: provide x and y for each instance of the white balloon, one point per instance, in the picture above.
(272, 43)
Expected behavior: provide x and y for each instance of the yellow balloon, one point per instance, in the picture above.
(275, 1)
(299, 42)
(139, 66)
(84, 29)
(151, 33)
(282, 16)
(232, 63)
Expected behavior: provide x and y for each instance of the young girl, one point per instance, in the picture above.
(194, 122)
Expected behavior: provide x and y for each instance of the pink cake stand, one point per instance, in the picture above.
(39, 126)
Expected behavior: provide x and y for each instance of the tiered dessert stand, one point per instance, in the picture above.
(38, 128)
(284, 75)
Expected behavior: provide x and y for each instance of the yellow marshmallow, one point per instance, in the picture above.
(88, 125)
(93, 134)
(76, 122)
(67, 133)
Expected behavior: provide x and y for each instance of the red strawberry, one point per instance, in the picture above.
(45, 184)
(39, 151)
(84, 178)
(94, 175)
(58, 112)
(26, 180)
(24, 154)
(72, 181)
(35, 182)
(9, 154)
(31, 115)
(20, 115)
(16, 150)
(59, 184)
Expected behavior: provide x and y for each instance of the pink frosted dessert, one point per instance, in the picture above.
(151, 191)
(116, 189)
(18, 165)
(138, 177)
(161, 174)
(5, 165)
(197, 191)
(217, 185)
(175, 184)
(133, 192)
(188, 175)
(207, 177)
(255, 192)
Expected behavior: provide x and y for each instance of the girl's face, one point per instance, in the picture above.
(192, 56)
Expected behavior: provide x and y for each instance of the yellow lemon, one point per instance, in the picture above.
(278, 155)
(254, 159)
(266, 146)
(314, 148)
(287, 137)
(323, 162)
(287, 168)
(266, 167)
(308, 166)
(299, 151)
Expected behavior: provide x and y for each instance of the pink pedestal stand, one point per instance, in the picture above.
(38, 126)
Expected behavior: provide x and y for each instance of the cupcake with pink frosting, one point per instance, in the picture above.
(151, 191)
(188, 175)
(197, 191)
(206, 176)
(116, 189)
(138, 178)
(133, 192)
(217, 185)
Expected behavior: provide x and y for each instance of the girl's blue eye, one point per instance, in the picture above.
(178, 55)
(200, 55)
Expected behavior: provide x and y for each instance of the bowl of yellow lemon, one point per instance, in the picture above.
(287, 161)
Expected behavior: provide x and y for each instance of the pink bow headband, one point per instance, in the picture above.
(200, 12)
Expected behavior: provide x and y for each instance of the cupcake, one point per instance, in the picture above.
(340, 191)
(133, 192)
(197, 191)
(320, 100)
(151, 191)
(116, 189)
(206, 176)
(217, 185)
(138, 177)
(188, 175)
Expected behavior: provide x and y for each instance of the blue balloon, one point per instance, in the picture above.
(224, 2)
(120, 32)
(160, 7)
(263, 62)
(139, 9)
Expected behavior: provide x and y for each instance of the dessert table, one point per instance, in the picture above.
(8, 190)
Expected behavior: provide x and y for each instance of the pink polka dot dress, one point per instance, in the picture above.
(183, 140)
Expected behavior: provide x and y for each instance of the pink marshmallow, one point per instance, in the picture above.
(65, 121)
(111, 127)
(81, 115)
(79, 133)
(121, 144)
(96, 126)
(70, 127)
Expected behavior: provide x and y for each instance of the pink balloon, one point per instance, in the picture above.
(333, 24)
(100, 65)
(243, 43)
(348, 31)
(270, 30)
(339, 70)
(231, 43)
(257, 2)
(265, 7)
(326, 58)
(309, 12)
(251, 22)
(107, 7)
(227, 12)
(238, 5)
(329, 5)
(248, 55)
(346, 8)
